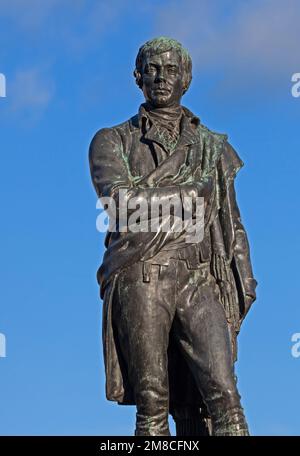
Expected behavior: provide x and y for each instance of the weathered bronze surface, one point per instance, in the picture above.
(172, 309)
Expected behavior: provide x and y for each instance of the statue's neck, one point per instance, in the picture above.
(162, 115)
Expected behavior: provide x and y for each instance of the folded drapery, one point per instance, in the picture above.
(188, 172)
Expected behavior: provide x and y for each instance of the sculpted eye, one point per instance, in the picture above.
(173, 69)
(150, 69)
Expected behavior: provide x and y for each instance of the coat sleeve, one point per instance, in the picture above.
(108, 166)
(110, 172)
(241, 249)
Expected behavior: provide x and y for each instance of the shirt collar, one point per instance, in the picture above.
(189, 123)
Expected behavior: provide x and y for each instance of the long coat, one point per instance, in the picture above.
(118, 157)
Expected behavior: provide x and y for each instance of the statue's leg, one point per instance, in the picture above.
(194, 420)
(202, 332)
(142, 312)
(191, 421)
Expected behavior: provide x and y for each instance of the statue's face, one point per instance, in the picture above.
(162, 78)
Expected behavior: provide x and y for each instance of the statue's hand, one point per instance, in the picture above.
(227, 297)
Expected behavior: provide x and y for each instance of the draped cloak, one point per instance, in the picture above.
(200, 154)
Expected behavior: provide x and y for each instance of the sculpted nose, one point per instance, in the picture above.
(160, 75)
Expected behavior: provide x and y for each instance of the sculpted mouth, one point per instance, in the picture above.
(162, 90)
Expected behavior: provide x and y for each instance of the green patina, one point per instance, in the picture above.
(163, 44)
(118, 149)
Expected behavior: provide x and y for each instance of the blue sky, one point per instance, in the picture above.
(68, 66)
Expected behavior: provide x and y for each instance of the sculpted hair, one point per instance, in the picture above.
(158, 46)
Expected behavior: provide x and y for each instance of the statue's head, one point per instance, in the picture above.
(163, 70)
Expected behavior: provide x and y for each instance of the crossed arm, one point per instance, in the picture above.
(110, 173)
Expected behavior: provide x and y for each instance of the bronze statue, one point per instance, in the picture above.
(172, 309)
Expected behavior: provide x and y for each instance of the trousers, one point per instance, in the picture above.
(146, 305)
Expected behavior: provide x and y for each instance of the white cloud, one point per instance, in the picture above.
(29, 14)
(31, 89)
(73, 25)
(247, 38)
(253, 43)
